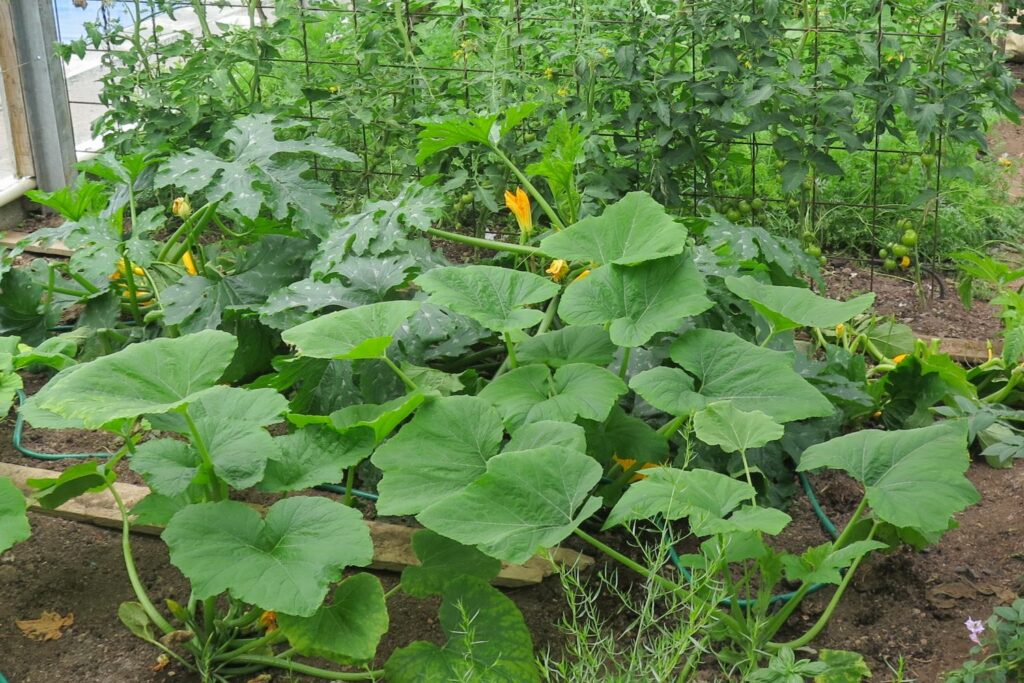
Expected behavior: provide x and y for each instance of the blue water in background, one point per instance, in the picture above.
(71, 20)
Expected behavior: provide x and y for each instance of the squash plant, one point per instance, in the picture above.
(634, 365)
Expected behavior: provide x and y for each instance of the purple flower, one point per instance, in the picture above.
(975, 628)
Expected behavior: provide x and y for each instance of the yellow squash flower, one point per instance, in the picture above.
(582, 275)
(268, 620)
(519, 205)
(905, 262)
(626, 463)
(181, 208)
(190, 265)
(558, 269)
(840, 328)
(899, 359)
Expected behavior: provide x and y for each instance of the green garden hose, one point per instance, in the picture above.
(19, 427)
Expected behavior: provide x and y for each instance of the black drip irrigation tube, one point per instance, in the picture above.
(823, 519)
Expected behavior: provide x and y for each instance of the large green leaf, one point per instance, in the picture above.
(638, 301)
(314, 455)
(674, 493)
(530, 393)
(239, 450)
(494, 297)
(284, 563)
(14, 526)
(625, 436)
(548, 433)
(441, 450)
(168, 466)
(256, 172)
(735, 431)
(913, 478)
(633, 230)
(752, 377)
(85, 477)
(670, 390)
(346, 631)
(442, 562)
(488, 642)
(380, 418)
(527, 501)
(451, 131)
(364, 332)
(150, 377)
(786, 308)
(576, 344)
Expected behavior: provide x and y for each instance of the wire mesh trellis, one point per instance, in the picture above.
(364, 70)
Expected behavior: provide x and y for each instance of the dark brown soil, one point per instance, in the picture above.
(39, 219)
(939, 314)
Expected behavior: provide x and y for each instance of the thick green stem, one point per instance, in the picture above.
(268, 639)
(672, 426)
(790, 606)
(630, 564)
(1015, 377)
(822, 621)
(406, 380)
(129, 565)
(493, 245)
(88, 286)
(197, 220)
(64, 290)
(513, 362)
(350, 480)
(296, 667)
(624, 363)
(215, 485)
(556, 222)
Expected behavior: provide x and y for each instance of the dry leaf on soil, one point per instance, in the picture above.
(49, 626)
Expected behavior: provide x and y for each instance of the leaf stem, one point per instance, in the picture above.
(215, 485)
(406, 380)
(296, 667)
(822, 621)
(626, 562)
(513, 362)
(129, 565)
(556, 222)
(493, 245)
(673, 425)
(624, 363)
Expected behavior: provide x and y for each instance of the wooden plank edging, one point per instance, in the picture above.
(392, 543)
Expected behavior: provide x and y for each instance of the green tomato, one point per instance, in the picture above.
(903, 168)
(899, 251)
(909, 238)
(809, 236)
(529, 137)
(808, 184)
(733, 215)
(745, 207)
(756, 203)
(467, 198)
(794, 203)
(905, 224)
(883, 253)
(928, 160)
(813, 250)
(889, 264)
(822, 260)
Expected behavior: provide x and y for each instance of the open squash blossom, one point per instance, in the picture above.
(905, 262)
(181, 208)
(119, 273)
(558, 269)
(582, 275)
(190, 265)
(899, 359)
(268, 621)
(626, 463)
(519, 205)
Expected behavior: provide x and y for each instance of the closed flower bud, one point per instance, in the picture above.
(181, 208)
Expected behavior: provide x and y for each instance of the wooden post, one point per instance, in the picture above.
(11, 84)
(42, 90)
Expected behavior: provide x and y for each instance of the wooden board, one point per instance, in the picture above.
(971, 351)
(392, 549)
(56, 248)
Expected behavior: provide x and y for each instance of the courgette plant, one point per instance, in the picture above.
(495, 471)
